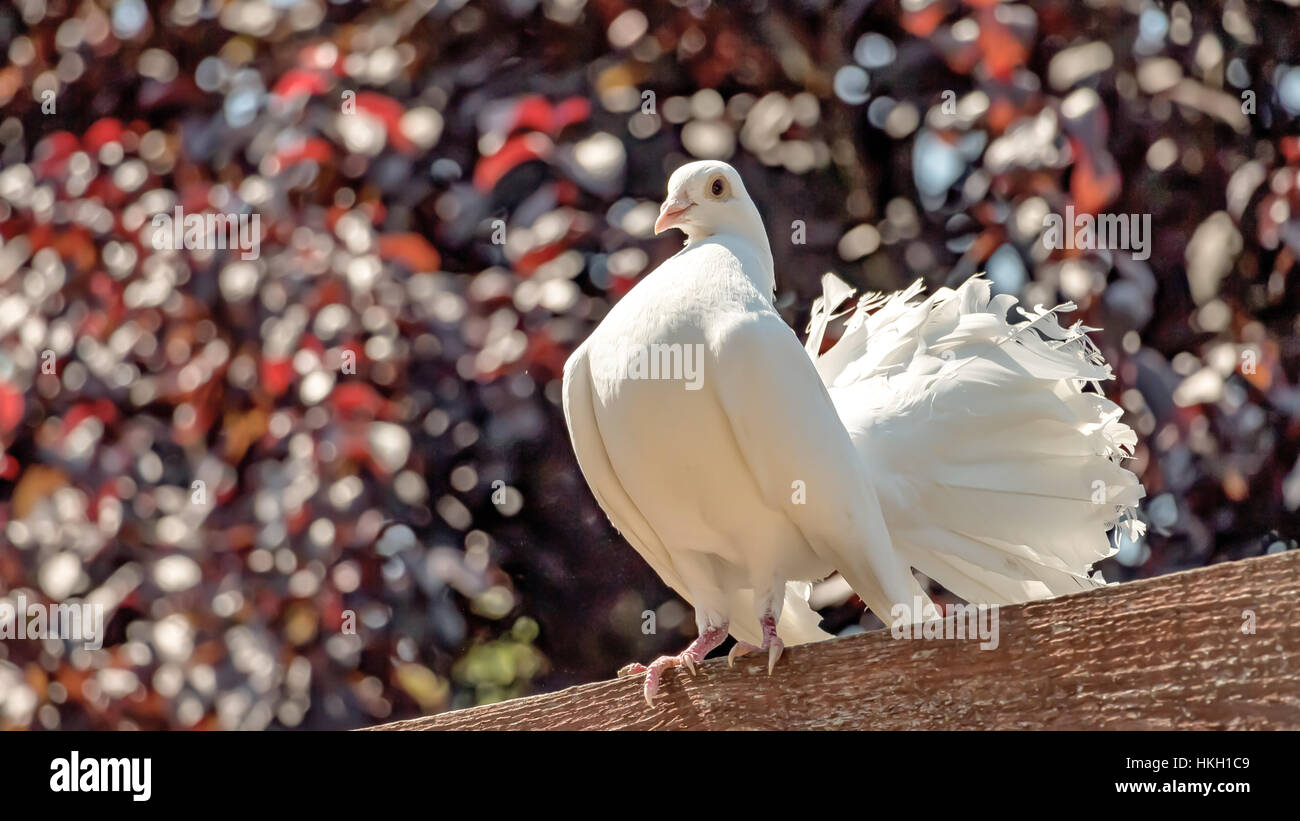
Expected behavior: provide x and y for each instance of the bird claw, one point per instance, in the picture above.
(774, 651)
(631, 669)
(774, 646)
(655, 672)
(740, 648)
(688, 658)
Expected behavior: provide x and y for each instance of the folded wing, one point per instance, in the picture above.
(785, 425)
(799, 622)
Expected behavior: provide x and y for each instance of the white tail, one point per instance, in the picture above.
(998, 472)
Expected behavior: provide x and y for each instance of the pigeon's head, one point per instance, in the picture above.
(707, 198)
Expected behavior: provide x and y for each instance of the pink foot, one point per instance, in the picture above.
(771, 643)
(688, 658)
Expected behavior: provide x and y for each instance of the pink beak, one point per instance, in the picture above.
(670, 214)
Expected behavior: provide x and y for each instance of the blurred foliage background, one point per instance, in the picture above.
(451, 194)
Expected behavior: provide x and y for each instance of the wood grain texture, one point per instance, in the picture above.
(1163, 653)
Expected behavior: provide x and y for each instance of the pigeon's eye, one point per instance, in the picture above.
(718, 187)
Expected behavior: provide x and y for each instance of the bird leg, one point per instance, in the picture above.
(771, 643)
(710, 638)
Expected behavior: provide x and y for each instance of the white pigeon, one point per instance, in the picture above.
(933, 435)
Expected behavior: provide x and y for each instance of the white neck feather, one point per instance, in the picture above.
(749, 229)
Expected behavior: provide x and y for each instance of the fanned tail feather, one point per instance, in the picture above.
(997, 460)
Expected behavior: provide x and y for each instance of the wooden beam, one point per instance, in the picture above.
(1172, 652)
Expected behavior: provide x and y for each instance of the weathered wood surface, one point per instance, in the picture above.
(1163, 653)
